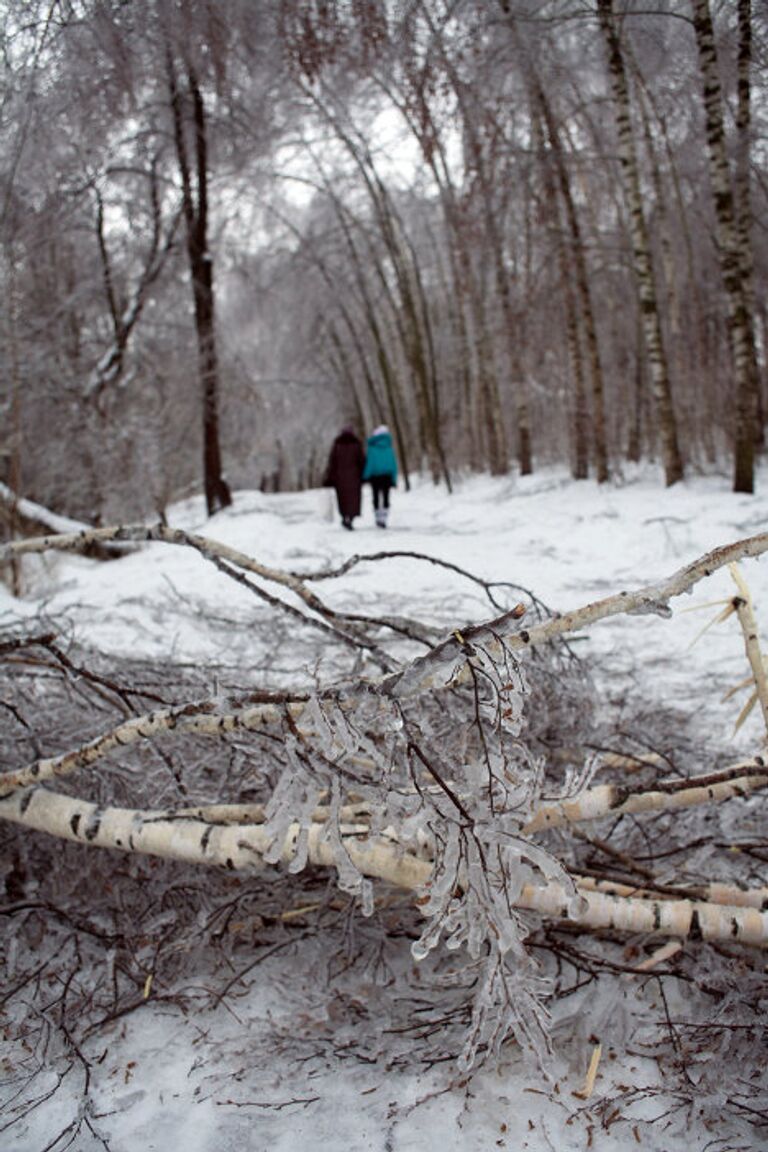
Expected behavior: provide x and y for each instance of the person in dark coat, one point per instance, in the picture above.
(380, 471)
(345, 473)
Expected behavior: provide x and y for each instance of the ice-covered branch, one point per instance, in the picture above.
(596, 803)
(443, 777)
(231, 846)
(197, 719)
(244, 847)
(652, 598)
(618, 800)
(506, 630)
(349, 628)
(714, 893)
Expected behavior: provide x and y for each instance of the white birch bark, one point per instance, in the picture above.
(734, 256)
(242, 848)
(612, 800)
(212, 836)
(642, 262)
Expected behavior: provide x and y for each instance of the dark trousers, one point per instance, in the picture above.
(380, 486)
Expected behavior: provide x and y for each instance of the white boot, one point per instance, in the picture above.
(381, 517)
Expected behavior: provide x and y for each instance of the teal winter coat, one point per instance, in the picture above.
(380, 457)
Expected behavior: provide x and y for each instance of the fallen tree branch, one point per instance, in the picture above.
(400, 554)
(420, 675)
(221, 556)
(505, 631)
(32, 517)
(29, 517)
(594, 803)
(203, 719)
(439, 755)
(714, 893)
(617, 800)
(329, 623)
(200, 719)
(746, 616)
(243, 847)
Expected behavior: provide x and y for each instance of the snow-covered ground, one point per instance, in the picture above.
(567, 543)
(221, 1081)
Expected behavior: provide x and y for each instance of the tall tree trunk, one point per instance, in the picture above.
(455, 367)
(741, 190)
(582, 284)
(499, 460)
(435, 397)
(732, 240)
(580, 415)
(195, 204)
(635, 407)
(686, 304)
(487, 400)
(670, 295)
(642, 264)
(14, 444)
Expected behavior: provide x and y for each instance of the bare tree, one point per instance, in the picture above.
(580, 276)
(733, 229)
(189, 122)
(642, 263)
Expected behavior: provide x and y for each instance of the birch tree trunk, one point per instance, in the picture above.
(13, 444)
(742, 188)
(580, 452)
(635, 406)
(642, 263)
(732, 233)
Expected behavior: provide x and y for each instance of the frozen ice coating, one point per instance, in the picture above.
(288, 1059)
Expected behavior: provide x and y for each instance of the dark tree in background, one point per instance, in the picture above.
(188, 111)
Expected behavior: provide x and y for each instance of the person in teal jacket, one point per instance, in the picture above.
(380, 471)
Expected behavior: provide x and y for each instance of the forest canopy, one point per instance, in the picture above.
(515, 231)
